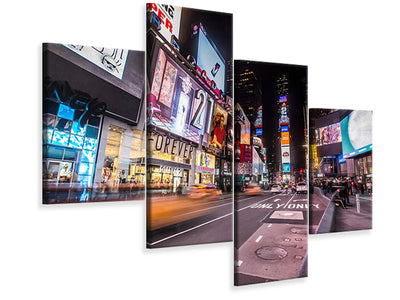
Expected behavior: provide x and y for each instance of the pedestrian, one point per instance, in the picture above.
(324, 187)
(330, 186)
(369, 187)
(338, 197)
(351, 187)
(346, 191)
(362, 188)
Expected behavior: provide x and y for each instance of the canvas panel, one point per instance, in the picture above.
(189, 126)
(271, 201)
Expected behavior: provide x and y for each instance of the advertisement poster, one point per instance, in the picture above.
(357, 132)
(168, 18)
(285, 154)
(218, 127)
(329, 134)
(180, 96)
(285, 138)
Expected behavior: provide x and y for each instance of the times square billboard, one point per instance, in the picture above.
(176, 102)
(356, 133)
(186, 99)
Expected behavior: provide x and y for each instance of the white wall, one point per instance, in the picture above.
(97, 251)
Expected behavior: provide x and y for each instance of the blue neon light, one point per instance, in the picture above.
(66, 112)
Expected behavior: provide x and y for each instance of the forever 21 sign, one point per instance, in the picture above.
(169, 145)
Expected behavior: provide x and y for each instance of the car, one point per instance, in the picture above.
(301, 187)
(275, 188)
(200, 191)
(252, 189)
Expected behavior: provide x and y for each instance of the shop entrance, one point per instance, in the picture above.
(55, 171)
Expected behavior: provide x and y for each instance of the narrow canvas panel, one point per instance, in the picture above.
(270, 173)
(93, 124)
(340, 170)
(189, 126)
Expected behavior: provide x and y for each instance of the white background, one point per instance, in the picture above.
(97, 251)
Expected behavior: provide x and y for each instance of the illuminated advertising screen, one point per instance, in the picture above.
(286, 168)
(205, 163)
(328, 135)
(285, 154)
(356, 133)
(257, 143)
(285, 138)
(284, 128)
(218, 127)
(168, 18)
(168, 85)
(209, 60)
(284, 120)
(177, 103)
(259, 131)
(246, 154)
(282, 99)
(245, 134)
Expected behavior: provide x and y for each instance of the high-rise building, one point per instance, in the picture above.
(247, 90)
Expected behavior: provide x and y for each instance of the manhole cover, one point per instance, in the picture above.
(271, 253)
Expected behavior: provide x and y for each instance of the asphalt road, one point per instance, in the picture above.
(318, 205)
(270, 237)
(215, 225)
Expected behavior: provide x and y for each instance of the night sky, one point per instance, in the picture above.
(267, 73)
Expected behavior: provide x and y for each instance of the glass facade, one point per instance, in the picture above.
(69, 150)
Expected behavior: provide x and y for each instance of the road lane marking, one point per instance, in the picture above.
(187, 230)
(289, 201)
(295, 200)
(249, 198)
(255, 203)
(259, 238)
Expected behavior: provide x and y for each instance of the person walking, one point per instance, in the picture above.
(324, 187)
(346, 191)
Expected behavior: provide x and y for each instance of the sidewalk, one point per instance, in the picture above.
(349, 219)
(337, 219)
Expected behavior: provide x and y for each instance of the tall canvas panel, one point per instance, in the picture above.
(93, 124)
(270, 173)
(189, 126)
(340, 170)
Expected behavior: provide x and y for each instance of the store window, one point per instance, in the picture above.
(205, 168)
(69, 150)
(137, 163)
(169, 157)
(110, 172)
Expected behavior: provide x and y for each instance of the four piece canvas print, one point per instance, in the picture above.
(211, 169)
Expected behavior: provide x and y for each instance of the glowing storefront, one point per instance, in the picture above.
(87, 102)
(187, 128)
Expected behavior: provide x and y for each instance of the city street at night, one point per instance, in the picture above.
(271, 202)
(271, 236)
(208, 223)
